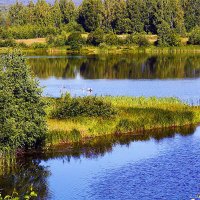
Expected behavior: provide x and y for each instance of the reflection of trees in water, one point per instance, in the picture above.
(23, 173)
(98, 146)
(118, 67)
(28, 170)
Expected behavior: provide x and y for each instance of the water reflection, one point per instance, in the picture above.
(30, 169)
(140, 66)
(21, 175)
(99, 146)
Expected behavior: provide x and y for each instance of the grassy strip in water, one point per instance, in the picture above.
(111, 49)
(129, 114)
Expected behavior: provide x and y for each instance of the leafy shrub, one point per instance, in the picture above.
(194, 37)
(112, 39)
(81, 106)
(22, 115)
(22, 44)
(166, 36)
(27, 32)
(37, 45)
(103, 45)
(8, 43)
(59, 40)
(130, 39)
(75, 41)
(96, 37)
(72, 27)
(141, 41)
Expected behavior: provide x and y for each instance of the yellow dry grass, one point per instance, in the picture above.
(32, 41)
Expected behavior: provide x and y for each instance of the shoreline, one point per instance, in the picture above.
(195, 49)
(140, 132)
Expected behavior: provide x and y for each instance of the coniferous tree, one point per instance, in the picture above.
(68, 10)
(56, 14)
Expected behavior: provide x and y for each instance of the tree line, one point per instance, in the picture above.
(119, 16)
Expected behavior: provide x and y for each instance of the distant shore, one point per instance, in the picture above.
(111, 50)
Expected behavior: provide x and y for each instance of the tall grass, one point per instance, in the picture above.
(133, 115)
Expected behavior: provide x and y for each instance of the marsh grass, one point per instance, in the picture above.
(133, 115)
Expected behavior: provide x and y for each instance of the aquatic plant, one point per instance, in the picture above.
(30, 195)
(133, 115)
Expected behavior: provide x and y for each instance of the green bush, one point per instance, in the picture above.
(96, 37)
(75, 41)
(81, 106)
(141, 41)
(72, 27)
(22, 45)
(27, 32)
(167, 36)
(8, 43)
(112, 39)
(58, 40)
(130, 39)
(37, 45)
(194, 37)
(22, 115)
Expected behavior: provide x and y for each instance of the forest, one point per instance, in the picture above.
(171, 18)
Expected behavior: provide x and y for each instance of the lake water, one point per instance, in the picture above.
(127, 75)
(156, 165)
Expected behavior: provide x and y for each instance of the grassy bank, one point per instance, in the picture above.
(110, 50)
(128, 115)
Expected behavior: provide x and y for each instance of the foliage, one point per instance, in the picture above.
(96, 37)
(41, 19)
(141, 41)
(58, 40)
(22, 123)
(75, 41)
(112, 39)
(37, 45)
(130, 39)
(166, 36)
(90, 14)
(30, 195)
(27, 31)
(8, 43)
(191, 10)
(72, 26)
(194, 37)
(119, 16)
(67, 107)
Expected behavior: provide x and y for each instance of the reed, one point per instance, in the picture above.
(132, 115)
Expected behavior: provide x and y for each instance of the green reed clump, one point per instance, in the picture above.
(58, 137)
(128, 114)
(89, 106)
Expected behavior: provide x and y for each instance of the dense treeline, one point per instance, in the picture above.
(120, 16)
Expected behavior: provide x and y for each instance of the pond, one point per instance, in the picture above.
(155, 165)
(125, 75)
